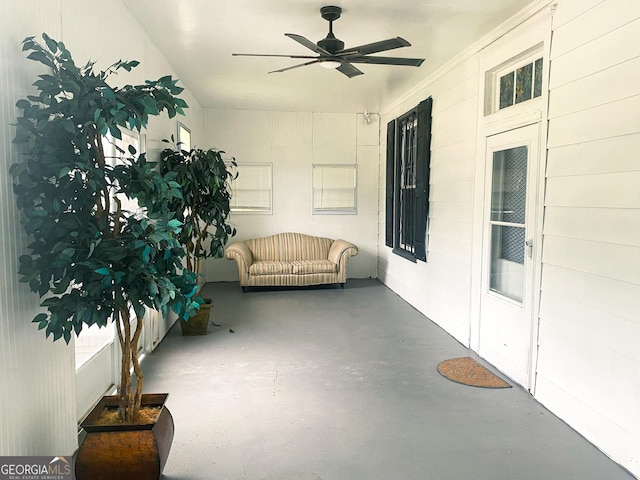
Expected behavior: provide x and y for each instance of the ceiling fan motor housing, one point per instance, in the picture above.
(331, 44)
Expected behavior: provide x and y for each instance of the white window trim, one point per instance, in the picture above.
(493, 75)
(244, 210)
(184, 137)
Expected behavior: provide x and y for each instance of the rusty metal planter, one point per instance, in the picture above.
(125, 451)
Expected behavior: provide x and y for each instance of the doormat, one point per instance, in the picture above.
(467, 371)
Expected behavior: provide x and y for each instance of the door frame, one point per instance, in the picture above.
(531, 286)
(536, 32)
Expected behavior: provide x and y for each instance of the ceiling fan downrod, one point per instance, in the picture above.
(330, 43)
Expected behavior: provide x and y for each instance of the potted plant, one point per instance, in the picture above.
(203, 209)
(90, 258)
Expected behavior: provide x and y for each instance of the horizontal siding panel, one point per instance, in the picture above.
(598, 384)
(451, 229)
(460, 132)
(615, 297)
(456, 114)
(605, 121)
(453, 314)
(610, 437)
(455, 211)
(454, 172)
(615, 83)
(455, 94)
(601, 156)
(600, 20)
(606, 50)
(588, 325)
(454, 153)
(448, 266)
(609, 225)
(569, 10)
(613, 190)
(456, 249)
(448, 89)
(455, 78)
(619, 262)
(451, 192)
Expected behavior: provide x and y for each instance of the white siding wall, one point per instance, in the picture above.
(440, 288)
(589, 361)
(588, 369)
(292, 143)
(38, 394)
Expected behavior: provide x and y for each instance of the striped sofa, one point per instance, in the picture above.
(291, 259)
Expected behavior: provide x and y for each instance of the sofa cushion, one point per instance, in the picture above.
(302, 267)
(272, 267)
(289, 247)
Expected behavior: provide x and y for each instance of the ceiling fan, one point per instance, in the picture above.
(332, 54)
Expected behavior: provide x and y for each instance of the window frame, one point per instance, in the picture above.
(184, 137)
(345, 210)
(494, 74)
(248, 210)
(413, 246)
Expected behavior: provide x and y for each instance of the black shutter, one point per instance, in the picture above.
(390, 182)
(422, 178)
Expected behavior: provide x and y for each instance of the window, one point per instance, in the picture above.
(520, 84)
(251, 189)
(184, 137)
(334, 189)
(514, 81)
(407, 182)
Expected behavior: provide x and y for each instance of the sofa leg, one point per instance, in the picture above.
(244, 289)
(342, 285)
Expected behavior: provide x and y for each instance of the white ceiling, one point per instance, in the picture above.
(198, 37)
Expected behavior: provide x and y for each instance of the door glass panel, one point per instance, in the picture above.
(508, 209)
(509, 185)
(507, 261)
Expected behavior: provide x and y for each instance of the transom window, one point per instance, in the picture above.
(520, 84)
(515, 81)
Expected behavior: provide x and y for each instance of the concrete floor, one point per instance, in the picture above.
(342, 385)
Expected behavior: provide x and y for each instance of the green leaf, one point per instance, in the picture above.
(115, 132)
(51, 44)
(102, 271)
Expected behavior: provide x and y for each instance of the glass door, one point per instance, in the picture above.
(506, 303)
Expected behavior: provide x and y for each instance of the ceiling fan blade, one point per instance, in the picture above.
(307, 43)
(270, 55)
(348, 70)
(295, 66)
(375, 47)
(409, 62)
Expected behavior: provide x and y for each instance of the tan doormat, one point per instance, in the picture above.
(467, 371)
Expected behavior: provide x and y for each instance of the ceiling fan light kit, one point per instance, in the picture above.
(331, 53)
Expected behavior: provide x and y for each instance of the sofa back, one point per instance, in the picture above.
(289, 247)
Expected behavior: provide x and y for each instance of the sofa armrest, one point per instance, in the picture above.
(239, 252)
(340, 248)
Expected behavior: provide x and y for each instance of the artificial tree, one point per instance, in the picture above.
(90, 258)
(204, 206)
